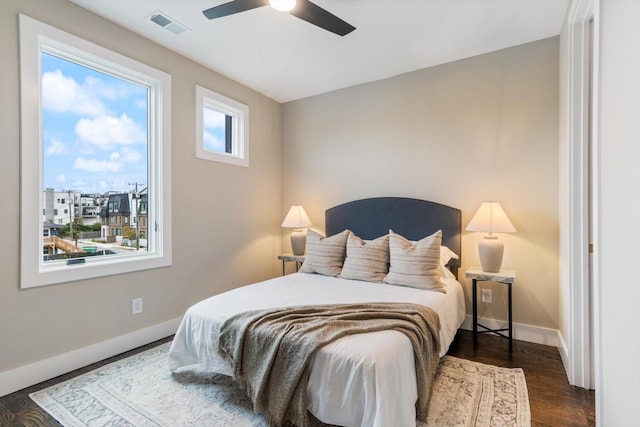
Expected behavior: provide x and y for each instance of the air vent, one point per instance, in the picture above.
(166, 22)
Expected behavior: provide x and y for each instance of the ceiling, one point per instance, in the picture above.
(287, 58)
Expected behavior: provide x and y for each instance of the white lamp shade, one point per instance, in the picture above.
(491, 218)
(296, 218)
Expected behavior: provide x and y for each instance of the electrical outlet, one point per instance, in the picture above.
(136, 306)
(486, 296)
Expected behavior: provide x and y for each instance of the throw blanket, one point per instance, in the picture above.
(269, 350)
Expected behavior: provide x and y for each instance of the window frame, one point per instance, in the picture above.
(36, 37)
(239, 112)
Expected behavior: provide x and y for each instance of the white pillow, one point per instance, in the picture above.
(325, 255)
(366, 260)
(446, 255)
(415, 264)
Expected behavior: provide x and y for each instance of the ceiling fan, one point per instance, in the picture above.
(303, 9)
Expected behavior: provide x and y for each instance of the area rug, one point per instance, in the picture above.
(141, 391)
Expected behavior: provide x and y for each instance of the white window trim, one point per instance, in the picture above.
(35, 35)
(240, 136)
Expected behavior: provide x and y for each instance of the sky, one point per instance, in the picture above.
(214, 128)
(94, 129)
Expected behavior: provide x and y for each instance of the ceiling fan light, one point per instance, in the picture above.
(283, 5)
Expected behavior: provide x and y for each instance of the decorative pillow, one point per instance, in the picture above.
(446, 255)
(366, 260)
(325, 255)
(416, 265)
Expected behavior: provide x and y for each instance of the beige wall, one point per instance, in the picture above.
(484, 128)
(216, 232)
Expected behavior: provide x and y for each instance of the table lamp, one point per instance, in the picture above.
(491, 218)
(297, 219)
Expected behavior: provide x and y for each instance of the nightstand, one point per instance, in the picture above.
(506, 277)
(298, 259)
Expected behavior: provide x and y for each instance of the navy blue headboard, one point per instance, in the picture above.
(412, 218)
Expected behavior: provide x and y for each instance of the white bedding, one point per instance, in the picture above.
(359, 380)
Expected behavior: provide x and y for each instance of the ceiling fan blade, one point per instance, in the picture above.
(320, 17)
(232, 7)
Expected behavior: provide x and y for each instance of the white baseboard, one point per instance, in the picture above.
(575, 368)
(522, 332)
(34, 373)
(564, 353)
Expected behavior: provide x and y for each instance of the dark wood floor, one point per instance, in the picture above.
(553, 401)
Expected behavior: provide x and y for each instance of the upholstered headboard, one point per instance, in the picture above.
(413, 218)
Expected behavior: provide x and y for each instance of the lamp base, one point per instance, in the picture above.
(490, 250)
(298, 241)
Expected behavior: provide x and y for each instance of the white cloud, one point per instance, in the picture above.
(212, 143)
(93, 165)
(61, 178)
(56, 147)
(114, 156)
(61, 94)
(103, 185)
(99, 89)
(107, 132)
(129, 155)
(212, 118)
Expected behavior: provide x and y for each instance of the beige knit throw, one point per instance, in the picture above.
(269, 350)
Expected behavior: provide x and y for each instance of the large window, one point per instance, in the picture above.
(95, 126)
(222, 128)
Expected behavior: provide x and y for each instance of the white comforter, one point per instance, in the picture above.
(360, 380)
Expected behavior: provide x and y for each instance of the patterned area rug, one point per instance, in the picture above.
(140, 391)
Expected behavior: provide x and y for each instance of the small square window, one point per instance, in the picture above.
(222, 127)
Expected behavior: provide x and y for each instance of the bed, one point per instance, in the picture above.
(360, 380)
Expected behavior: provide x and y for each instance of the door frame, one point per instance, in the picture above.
(582, 83)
